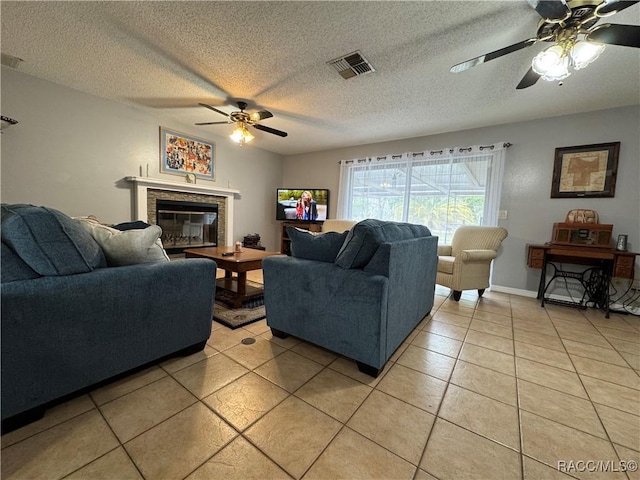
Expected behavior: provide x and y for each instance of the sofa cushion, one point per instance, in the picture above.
(315, 246)
(128, 247)
(48, 241)
(13, 268)
(365, 237)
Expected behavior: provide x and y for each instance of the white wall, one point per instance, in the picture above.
(71, 151)
(527, 180)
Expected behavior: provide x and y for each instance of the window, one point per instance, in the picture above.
(442, 189)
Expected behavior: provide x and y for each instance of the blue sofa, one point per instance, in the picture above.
(358, 293)
(70, 321)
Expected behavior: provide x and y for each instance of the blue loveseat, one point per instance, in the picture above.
(359, 293)
(70, 321)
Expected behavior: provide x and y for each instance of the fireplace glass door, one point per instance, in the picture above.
(187, 224)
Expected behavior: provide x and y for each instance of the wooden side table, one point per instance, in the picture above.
(240, 263)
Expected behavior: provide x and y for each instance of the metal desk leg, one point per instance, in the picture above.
(543, 276)
(608, 273)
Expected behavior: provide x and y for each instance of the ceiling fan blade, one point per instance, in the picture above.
(529, 79)
(261, 115)
(625, 35)
(214, 109)
(550, 9)
(211, 123)
(280, 133)
(613, 6)
(491, 56)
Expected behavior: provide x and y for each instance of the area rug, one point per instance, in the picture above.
(251, 311)
(237, 317)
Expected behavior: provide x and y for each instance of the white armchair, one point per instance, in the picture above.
(466, 263)
(336, 225)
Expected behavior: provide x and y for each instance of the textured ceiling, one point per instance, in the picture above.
(168, 56)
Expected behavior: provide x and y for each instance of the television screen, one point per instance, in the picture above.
(302, 204)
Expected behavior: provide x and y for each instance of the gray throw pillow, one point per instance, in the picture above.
(128, 247)
(322, 247)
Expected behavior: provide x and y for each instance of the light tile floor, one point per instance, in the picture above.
(490, 388)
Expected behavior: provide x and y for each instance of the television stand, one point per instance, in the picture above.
(285, 241)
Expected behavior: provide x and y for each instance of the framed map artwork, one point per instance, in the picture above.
(185, 154)
(585, 171)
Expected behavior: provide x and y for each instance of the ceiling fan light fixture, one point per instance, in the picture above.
(552, 64)
(241, 134)
(558, 72)
(583, 53)
(547, 59)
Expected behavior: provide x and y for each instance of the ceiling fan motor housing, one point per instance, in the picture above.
(242, 119)
(580, 10)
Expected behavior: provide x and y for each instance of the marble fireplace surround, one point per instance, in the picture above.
(147, 190)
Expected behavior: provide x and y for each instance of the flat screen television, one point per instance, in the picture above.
(302, 204)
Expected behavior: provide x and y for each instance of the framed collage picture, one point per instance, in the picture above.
(184, 154)
(585, 171)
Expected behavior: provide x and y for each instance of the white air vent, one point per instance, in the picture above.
(351, 65)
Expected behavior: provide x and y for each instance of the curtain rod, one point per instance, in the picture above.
(431, 152)
(462, 149)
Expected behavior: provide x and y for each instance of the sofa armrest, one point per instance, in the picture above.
(344, 310)
(412, 279)
(476, 256)
(444, 250)
(64, 333)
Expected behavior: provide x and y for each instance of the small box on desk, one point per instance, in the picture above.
(584, 234)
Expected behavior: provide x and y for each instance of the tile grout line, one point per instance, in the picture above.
(240, 433)
(589, 396)
(594, 359)
(612, 346)
(374, 388)
(444, 393)
(292, 394)
(343, 425)
(198, 401)
(523, 455)
(551, 388)
(519, 410)
(120, 444)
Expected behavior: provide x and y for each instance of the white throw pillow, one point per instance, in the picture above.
(127, 247)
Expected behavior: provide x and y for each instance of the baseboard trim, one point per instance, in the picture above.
(513, 291)
(529, 293)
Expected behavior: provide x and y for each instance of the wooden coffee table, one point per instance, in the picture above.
(240, 263)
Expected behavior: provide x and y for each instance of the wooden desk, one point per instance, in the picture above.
(608, 261)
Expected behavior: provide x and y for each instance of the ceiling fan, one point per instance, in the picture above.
(571, 25)
(242, 119)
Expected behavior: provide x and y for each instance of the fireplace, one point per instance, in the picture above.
(187, 224)
(148, 190)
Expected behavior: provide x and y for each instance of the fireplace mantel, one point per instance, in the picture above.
(142, 184)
